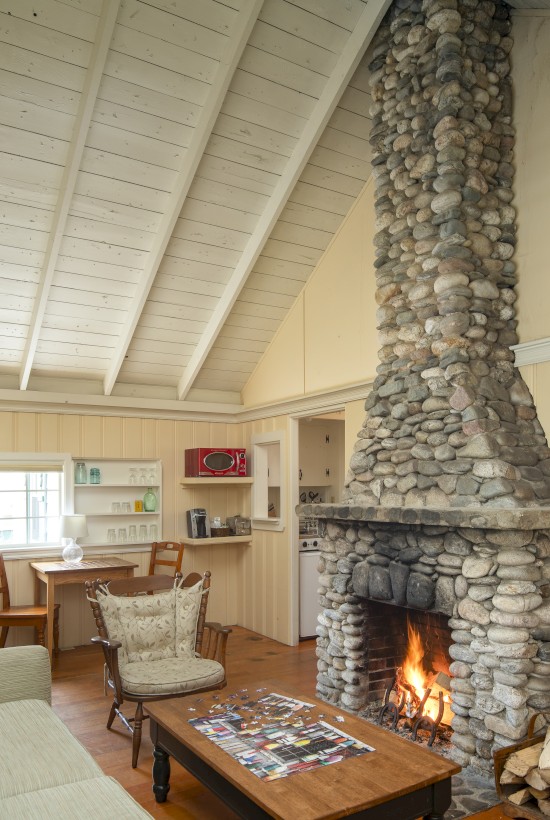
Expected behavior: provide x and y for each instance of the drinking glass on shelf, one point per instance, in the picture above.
(111, 536)
(122, 535)
(153, 532)
(132, 532)
(116, 506)
(143, 476)
(142, 532)
(126, 508)
(133, 475)
(152, 476)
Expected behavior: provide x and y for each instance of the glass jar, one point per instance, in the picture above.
(95, 475)
(149, 501)
(80, 473)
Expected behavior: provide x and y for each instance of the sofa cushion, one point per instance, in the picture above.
(100, 798)
(170, 676)
(25, 673)
(39, 750)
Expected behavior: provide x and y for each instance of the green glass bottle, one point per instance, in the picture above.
(149, 501)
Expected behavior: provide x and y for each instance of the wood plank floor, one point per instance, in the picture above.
(79, 701)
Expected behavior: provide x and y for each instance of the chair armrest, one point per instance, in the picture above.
(110, 652)
(214, 642)
(25, 674)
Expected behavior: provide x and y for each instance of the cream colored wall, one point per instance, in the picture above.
(329, 338)
(531, 81)
(243, 589)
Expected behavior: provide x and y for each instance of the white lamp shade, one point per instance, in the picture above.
(74, 526)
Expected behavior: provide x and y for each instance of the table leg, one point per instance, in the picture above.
(161, 774)
(441, 800)
(50, 605)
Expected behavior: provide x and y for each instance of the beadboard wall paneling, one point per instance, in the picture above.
(250, 583)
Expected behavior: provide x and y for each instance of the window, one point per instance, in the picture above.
(31, 500)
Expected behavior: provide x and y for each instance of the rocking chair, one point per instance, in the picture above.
(156, 642)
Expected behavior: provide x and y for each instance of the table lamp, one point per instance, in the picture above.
(73, 527)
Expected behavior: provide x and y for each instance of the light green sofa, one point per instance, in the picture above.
(45, 773)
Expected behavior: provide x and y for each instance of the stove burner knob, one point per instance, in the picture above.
(315, 543)
(304, 544)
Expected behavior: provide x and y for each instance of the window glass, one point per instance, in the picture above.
(30, 508)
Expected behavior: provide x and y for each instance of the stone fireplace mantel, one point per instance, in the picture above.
(524, 518)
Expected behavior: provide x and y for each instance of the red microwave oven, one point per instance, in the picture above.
(205, 461)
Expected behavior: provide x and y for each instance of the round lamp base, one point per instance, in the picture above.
(72, 553)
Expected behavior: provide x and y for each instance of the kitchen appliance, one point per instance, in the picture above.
(208, 461)
(198, 525)
(309, 581)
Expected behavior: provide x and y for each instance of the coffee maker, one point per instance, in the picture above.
(198, 525)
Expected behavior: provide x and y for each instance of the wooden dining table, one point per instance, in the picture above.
(58, 573)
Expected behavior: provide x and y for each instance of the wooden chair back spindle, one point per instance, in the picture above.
(159, 558)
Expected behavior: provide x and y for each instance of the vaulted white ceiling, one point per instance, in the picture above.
(171, 172)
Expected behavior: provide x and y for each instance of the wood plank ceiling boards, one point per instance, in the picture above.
(170, 174)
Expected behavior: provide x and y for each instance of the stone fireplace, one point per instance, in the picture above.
(446, 506)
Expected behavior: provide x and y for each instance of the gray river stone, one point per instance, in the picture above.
(420, 591)
(380, 583)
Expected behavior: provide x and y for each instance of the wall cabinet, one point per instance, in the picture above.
(318, 454)
(110, 506)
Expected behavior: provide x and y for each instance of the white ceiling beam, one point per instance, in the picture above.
(348, 61)
(105, 27)
(201, 134)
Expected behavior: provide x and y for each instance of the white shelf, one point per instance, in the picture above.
(217, 479)
(113, 544)
(227, 539)
(119, 514)
(124, 486)
(95, 500)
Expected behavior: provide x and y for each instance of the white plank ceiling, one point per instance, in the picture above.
(171, 172)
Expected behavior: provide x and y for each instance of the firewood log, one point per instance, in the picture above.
(520, 797)
(524, 760)
(510, 779)
(540, 794)
(544, 807)
(534, 779)
(544, 762)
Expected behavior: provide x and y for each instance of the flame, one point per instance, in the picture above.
(413, 671)
(417, 678)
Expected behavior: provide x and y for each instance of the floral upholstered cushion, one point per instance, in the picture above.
(152, 627)
(188, 601)
(171, 676)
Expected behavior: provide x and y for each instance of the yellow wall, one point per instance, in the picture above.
(329, 339)
(250, 583)
(531, 80)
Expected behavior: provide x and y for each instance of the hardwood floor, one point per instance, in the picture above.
(79, 701)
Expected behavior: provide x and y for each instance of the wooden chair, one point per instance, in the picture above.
(175, 550)
(135, 673)
(35, 616)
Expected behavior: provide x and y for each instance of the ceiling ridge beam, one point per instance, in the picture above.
(348, 61)
(100, 50)
(201, 134)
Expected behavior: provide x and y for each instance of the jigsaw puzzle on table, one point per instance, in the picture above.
(273, 737)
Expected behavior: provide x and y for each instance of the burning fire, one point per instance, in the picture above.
(413, 681)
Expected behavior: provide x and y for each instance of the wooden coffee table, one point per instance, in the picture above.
(399, 780)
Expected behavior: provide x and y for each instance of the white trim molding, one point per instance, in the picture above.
(534, 352)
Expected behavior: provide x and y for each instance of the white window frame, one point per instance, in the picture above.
(62, 460)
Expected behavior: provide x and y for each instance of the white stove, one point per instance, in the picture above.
(308, 543)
